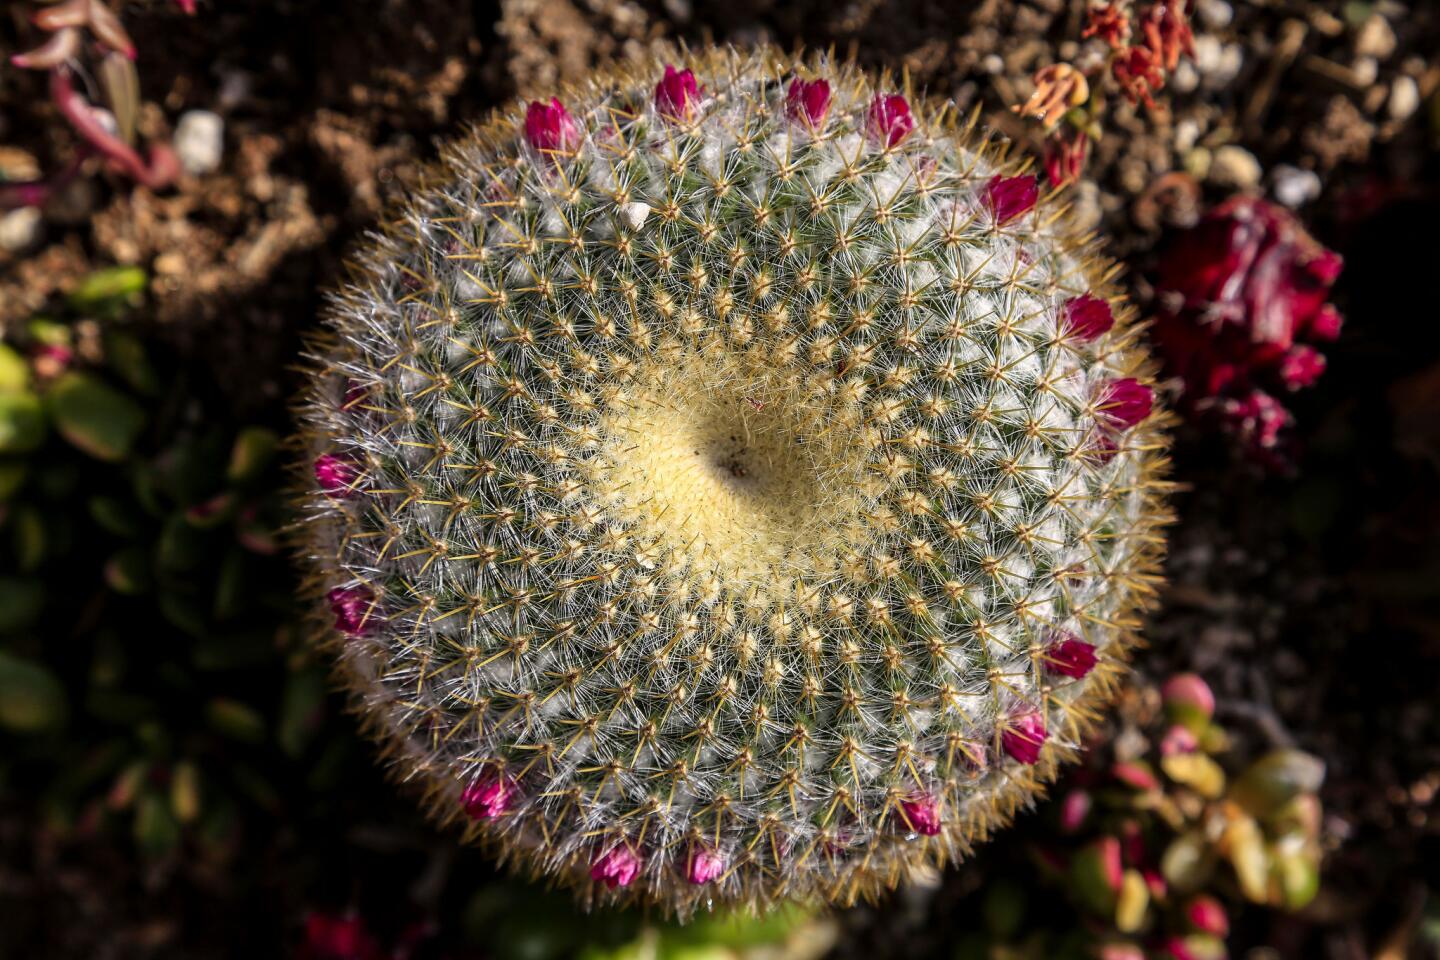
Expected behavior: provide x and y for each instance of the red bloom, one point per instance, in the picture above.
(1110, 23)
(1065, 155)
(1010, 197)
(1086, 317)
(1301, 366)
(1137, 71)
(1256, 418)
(550, 128)
(1121, 404)
(1069, 656)
(1167, 32)
(354, 609)
(618, 866)
(677, 94)
(808, 102)
(888, 121)
(922, 813)
(1024, 735)
(329, 937)
(489, 798)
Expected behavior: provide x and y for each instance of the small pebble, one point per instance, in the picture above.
(1185, 78)
(634, 214)
(1218, 63)
(1215, 14)
(200, 142)
(992, 64)
(20, 229)
(1294, 187)
(1187, 134)
(1364, 71)
(1234, 166)
(1404, 98)
(1375, 38)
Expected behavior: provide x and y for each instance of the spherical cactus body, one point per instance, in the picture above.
(730, 481)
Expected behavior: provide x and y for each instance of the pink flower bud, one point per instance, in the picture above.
(550, 128)
(1206, 915)
(705, 865)
(1074, 808)
(1257, 419)
(1086, 318)
(331, 937)
(922, 813)
(1326, 323)
(1188, 700)
(1135, 775)
(1023, 736)
(618, 866)
(888, 121)
(354, 609)
(808, 101)
(1068, 656)
(490, 797)
(677, 94)
(1155, 883)
(336, 474)
(1301, 366)
(1010, 197)
(1121, 404)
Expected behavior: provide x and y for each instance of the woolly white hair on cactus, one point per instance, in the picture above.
(730, 481)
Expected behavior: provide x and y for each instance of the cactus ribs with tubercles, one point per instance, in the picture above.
(730, 480)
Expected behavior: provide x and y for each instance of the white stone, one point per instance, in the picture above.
(20, 229)
(1375, 38)
(1404, 98)
(200, 142)
(1294, 187)
(1234, 166)
(1215, 14)
(634, 214)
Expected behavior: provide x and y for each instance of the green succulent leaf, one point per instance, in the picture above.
(31, 697)
(94, 416)
(22, 422)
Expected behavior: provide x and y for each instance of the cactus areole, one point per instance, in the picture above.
(721, 490)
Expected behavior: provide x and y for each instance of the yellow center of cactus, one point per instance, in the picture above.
(730, 465)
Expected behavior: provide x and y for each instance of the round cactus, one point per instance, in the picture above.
(730, 482)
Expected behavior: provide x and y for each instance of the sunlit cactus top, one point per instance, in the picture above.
(729, 480)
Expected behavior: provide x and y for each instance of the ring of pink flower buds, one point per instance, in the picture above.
(922, 813)
(677, 94)
(1023, 736)
(489, 798)
(616, 867)
(705, 865)
(808, 102)
(336, 474)
(354, 609)
(1008, 198)
(888, 120)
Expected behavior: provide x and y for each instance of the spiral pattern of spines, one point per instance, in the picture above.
(732, 487)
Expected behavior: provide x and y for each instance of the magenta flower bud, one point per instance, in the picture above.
(1326, 323)
(676, 94)
(1074, 809)
(1155, 883)
(1069, 656)
(1121, 404)
(1085, 318)
(922, 813)
(1207, 915)
(1188, 701)
(888, 121)
(550, 128)
(1178, 740)
(618, 866)
(336, 474)
(1023, 736)
(489, 798)
(1010, 197)
(808, 102)
(354, 609)
(705, 865)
